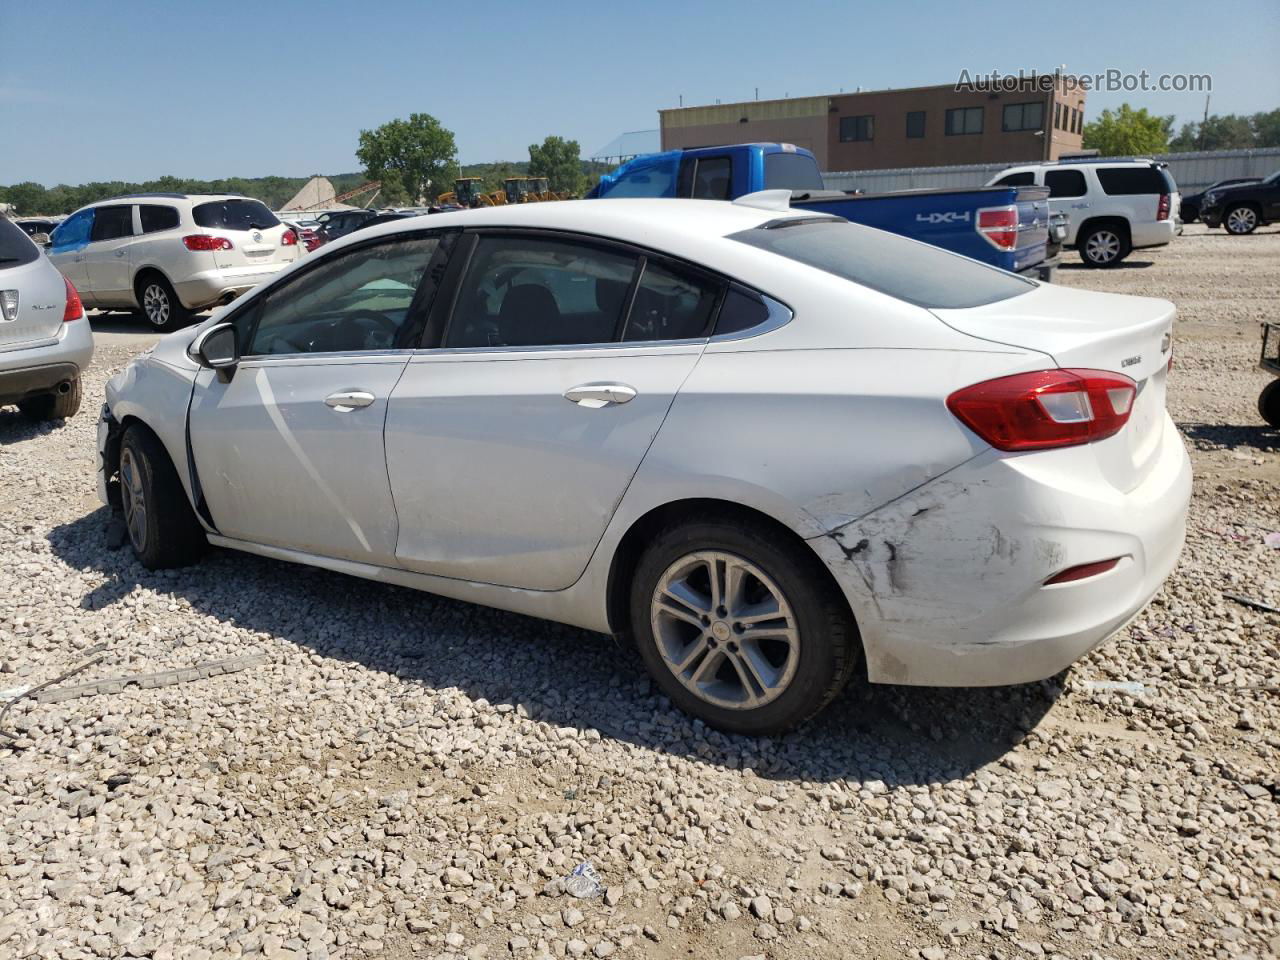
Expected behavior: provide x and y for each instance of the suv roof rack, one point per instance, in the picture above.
(1104, 160)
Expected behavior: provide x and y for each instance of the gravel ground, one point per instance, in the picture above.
(405, 776)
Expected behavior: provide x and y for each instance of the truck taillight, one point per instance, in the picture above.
(1162, 208)
(999, 225)
(1045, 409)
(74, 309)
(202, 241)
(288, 239)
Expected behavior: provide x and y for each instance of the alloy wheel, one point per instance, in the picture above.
(725, 630)
(155, 304)
(134, 500)
(1242, 220)
(1103, 246)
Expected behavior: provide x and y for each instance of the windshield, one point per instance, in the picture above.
(916, 272)
(16, 247)
(234, 215)
(791, 171)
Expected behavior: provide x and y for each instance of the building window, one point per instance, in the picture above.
(1079, 121)
(915, 124)
(963, 120)
(1022, 116)
(1075, 121)
(1057, 116)
(857, 128)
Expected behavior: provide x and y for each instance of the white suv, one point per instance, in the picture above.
(170, 254)
(1114, 206)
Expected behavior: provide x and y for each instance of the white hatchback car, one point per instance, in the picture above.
(1113, 206)
(766, 445)
(170, 254)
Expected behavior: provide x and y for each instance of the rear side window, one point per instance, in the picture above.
(111, 223)
(532, 291)
(1026, 179)
(712, 178)
(16, 247)
(1065, 183)
(742, 310)
(234, 215)
(791, 171)
(1127, 181)
(156, 218)
(915, 272)
(671, 304)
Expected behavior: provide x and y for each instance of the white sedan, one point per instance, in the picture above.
(765, 446)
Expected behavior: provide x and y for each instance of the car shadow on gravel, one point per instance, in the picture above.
(562, 675)
(1226, 436)
(1122, 265)
(16, 428)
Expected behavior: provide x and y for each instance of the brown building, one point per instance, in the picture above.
(885, 129)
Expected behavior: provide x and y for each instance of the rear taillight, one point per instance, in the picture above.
(1048, 408)
(202, 241)
(999, 225)
(288, 239)
(74, 309)
(1162, 208)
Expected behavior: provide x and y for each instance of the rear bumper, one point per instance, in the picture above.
(1046, 270)
(31, 371)
(948, 583)
(1153, 234)
(219, 286)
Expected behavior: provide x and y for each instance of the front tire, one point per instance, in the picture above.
(53, 406)
(1269, 403)
(1104, 246)
(162, 527)
(1241, 220)
(160, 305)
(740, 627)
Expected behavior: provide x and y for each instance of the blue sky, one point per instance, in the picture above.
(129, 90)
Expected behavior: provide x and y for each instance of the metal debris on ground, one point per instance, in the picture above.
(148, 681)
(1252, 604)
(94, 654)
(584, 883)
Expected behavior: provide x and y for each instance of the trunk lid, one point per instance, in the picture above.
(254, 231)
(1132, 336)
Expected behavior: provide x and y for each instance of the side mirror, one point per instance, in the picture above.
(218, 349)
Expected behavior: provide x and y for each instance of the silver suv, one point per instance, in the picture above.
(170, 254)
(45, 340)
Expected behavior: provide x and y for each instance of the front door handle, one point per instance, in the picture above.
(593, 396)
(345, 401)
(120, 252)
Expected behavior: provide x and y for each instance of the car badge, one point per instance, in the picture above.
(257, 236)
(1131, 361)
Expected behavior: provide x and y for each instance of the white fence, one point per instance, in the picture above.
(1191, 171)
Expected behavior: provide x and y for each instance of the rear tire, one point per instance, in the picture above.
(768, 675)
(1104, 246)
(1269, 403)
(159, 304)
(162, 527)
(53, 406)
(1240, 220)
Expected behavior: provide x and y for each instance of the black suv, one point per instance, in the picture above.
(339, 224)
(1242, 208)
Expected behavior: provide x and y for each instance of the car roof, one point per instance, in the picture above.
(661, 223)
(191, 197)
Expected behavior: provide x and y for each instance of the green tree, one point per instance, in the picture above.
(1266, 129)
(560, 161)
(1127, 131)
(28, 198)
(420, 151)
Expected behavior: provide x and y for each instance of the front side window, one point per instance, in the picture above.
(234, 214)
(964, 120)
(73, 232)
(671, 304)
(1065, 183)
(1022, 116)
(915, 124)
(857, 128)
(522, 291)
(357, 300)
(713, 178)
(156, 217)
(112, 223)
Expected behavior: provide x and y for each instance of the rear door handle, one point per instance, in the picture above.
(347, 400)
(120, 252)
(593, 396)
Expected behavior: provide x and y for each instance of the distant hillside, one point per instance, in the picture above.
(34, 198)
